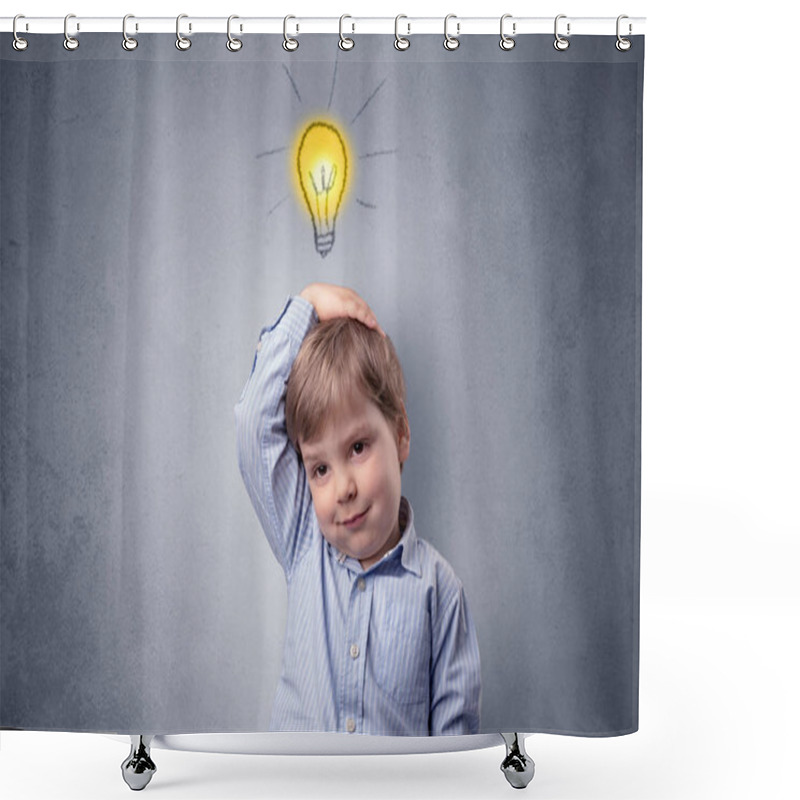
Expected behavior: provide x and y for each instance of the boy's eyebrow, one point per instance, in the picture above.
(358, 430)
(309, 454)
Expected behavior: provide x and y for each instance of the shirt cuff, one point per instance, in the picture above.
(296, 319)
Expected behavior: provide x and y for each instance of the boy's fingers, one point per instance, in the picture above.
(370, 320)
(358, 309)
(341, 301)
(374, 325)
(355, 309)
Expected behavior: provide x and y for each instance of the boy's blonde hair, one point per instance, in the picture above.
(336, 357)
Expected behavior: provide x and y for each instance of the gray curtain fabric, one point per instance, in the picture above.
(150, 228)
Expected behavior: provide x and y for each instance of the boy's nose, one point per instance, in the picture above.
(346, 489)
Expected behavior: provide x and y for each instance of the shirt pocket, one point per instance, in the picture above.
(401, 654)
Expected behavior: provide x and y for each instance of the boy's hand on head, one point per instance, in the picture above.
(331, 301)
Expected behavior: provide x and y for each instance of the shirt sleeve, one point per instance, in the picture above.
(456, 672)
(272, 472)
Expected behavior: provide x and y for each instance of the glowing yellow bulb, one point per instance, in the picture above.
(322, 159)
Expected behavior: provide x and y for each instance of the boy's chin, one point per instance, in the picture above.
(365, 557)
(360, 555)
(345, 548)
(369, 553)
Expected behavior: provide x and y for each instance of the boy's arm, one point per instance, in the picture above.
(272, 472)
(456, 673)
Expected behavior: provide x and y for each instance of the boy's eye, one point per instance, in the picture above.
(359, 447)
(320, 471)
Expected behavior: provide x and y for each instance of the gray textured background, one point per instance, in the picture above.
(494, 226)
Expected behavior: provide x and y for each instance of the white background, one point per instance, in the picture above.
(720, 612)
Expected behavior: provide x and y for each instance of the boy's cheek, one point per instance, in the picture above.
(320, 506)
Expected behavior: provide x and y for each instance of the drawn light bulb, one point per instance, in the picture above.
(322, 161)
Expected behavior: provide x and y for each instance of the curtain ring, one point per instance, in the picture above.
(400, 42)
(289, 44)
(19, 43)
(182, 43)
(344, 42)
(561, 43)
(70, 42)
(233, 44)
(507, 42)
(128, 42)
(451, 42)
(622, 44)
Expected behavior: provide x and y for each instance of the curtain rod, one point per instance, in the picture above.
(407, 26)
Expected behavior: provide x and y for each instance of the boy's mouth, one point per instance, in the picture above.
(356, 520)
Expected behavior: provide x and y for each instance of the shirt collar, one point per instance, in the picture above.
(408, 544)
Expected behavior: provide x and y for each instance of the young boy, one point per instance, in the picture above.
(379, 639)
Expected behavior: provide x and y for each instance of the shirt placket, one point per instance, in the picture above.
(354, 670)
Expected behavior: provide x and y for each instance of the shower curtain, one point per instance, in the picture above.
(154, 221)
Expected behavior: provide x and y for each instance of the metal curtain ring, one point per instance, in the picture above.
(128, 42)
(622, 43)
(182, 43)
(19, 43)
(507, 42)
(451, 42)
(561, 43)
(233, 44)
(70, 42)
(289, 44)
(344, 42)
(400, 42)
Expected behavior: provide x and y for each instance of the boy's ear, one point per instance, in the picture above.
(403, 436)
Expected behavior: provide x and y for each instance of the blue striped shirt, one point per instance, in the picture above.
(387, 650)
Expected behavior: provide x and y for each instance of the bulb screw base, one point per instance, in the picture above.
(324, 243)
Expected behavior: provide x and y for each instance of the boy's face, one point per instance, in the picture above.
(353, 470)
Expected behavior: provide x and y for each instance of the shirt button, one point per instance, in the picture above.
(362, 584)
(354, 651)
(351, 725)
